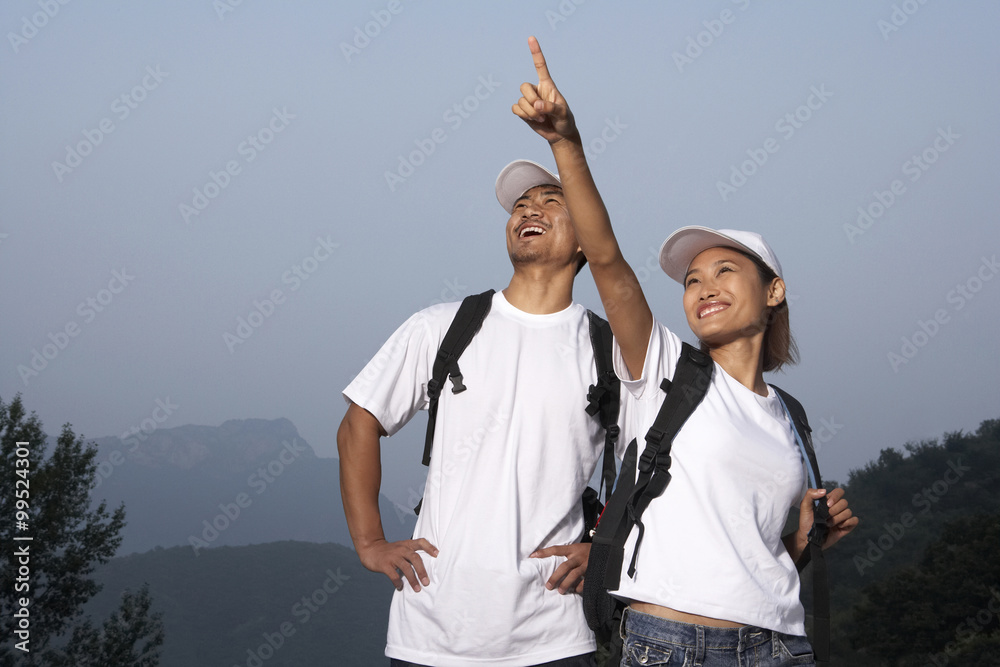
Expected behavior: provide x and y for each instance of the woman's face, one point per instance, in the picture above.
(724, 297)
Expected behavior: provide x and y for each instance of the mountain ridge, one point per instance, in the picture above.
(246, 481)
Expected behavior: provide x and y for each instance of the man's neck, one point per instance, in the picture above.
(540, 291)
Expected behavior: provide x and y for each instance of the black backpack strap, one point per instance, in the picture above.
(817, 535)
(467, 321)
(691, 379)
(602, 611)
(604, 396)
(633, 494)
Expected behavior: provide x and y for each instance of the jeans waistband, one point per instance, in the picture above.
(694, 636)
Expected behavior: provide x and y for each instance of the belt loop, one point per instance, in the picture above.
(775, 652)
(699, 653)
(621, 627)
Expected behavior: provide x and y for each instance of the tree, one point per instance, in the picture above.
(57, 540)
(131, 636)
(946, 609)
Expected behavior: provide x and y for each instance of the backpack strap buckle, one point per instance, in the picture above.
(820, 528)
(433, 389)
(594, 396)
(647, 460)
(654, 437)
(597, 392)
(818, 534)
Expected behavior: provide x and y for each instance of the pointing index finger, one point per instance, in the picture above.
(536, 55)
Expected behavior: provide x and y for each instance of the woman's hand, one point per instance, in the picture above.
(541, 105)
(841, 521)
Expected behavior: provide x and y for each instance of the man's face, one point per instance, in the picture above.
(539, 229)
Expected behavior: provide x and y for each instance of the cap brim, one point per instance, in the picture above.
(518, 177)
(681, 247)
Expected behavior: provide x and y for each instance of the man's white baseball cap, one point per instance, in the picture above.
(518, 177)
(681, 247)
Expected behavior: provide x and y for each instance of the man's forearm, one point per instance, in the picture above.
(360, 476)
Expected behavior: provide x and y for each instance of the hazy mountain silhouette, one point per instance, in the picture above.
(248, 481)
(284, 604)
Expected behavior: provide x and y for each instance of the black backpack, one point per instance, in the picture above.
(633, 494)
(602, 397)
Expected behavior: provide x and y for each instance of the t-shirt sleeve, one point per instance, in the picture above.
(636, 412)
(393, 385)
(662, 352)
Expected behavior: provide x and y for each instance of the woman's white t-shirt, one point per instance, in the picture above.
(712, 541)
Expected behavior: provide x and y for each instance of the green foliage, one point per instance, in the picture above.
(62, 538)
(907, 503)
(131, 636)
(948, 605)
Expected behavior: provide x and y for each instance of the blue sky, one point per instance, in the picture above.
(231, 206)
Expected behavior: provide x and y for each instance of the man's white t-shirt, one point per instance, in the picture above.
(511, 458)
(712, 543)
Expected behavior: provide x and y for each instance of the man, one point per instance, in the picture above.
(496, 547)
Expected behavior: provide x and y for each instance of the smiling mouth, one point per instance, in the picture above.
(530, 230)
(710, 309)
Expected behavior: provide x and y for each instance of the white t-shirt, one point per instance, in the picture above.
(712, 542)
(511, 457)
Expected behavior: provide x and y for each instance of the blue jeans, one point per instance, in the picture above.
(585, 660)
(650, 640)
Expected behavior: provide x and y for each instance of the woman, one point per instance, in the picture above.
(714, 581)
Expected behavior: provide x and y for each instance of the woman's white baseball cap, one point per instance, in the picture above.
(681, 247)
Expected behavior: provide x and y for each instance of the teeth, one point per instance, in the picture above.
(712, 309)
(524, 231)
